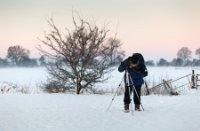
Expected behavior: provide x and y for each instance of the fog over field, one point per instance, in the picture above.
(34, 77)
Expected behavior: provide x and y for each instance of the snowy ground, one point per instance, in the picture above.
(29, 77)
(65, 112)
(62, 112)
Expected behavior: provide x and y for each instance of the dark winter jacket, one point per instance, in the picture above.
(137, 74)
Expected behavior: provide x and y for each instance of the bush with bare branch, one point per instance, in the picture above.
(78, 59)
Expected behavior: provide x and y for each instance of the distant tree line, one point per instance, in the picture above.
(184, 58)
(17, 56)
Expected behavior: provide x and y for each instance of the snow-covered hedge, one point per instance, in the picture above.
(9, 88)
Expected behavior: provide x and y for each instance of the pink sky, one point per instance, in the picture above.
(156, 28)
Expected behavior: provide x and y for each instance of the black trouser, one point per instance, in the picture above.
(127, 99)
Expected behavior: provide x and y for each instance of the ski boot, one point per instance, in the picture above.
(126, 108)
(137, 108)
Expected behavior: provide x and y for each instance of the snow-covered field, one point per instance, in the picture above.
(61, 112)
(67, 112)
(34, 77)
(30, 77)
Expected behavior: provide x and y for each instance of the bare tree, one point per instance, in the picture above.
(198, 52)
(185, 54)
(177, 62)
(150, 63)
(16, 54)
(78, 59)
(162, 62)
(3, 62)
(42, 60)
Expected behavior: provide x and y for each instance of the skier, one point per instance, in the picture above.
(135, 67)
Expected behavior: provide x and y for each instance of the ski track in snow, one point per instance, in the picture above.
(64, 112)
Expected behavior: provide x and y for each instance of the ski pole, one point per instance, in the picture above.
(115, 94)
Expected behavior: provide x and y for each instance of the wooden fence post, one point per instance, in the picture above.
(169, 88)
(197, 80)
(146, 86)
(193, 80)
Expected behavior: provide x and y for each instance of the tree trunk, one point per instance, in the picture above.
(78, 90)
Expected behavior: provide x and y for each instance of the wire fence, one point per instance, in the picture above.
(174, 86)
